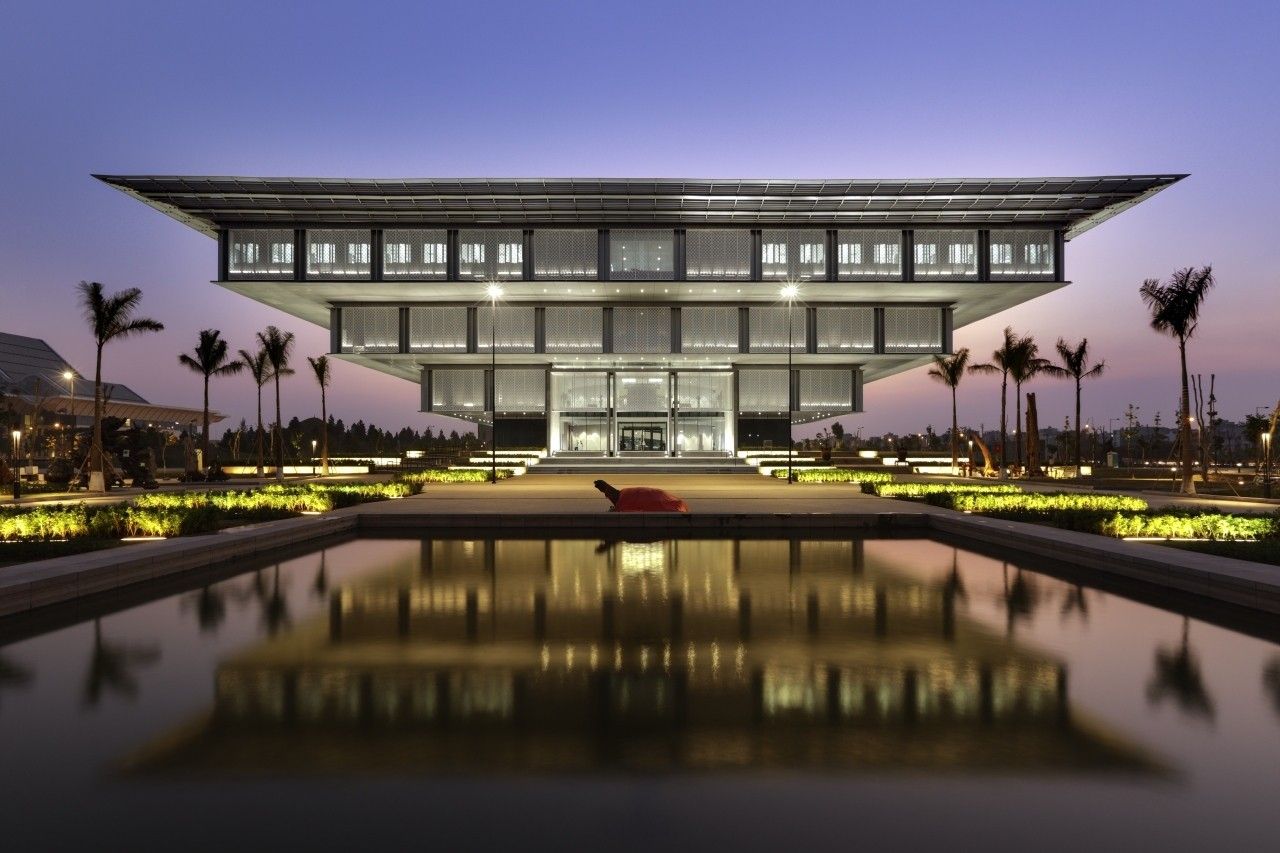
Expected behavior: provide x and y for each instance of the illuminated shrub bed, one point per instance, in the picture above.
(835, 475)
(445, 475)
(916, 491)
(186, 513)
(988, 504)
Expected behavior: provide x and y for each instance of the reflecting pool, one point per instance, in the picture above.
(678, 693)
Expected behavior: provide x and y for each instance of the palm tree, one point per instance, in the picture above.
(949, 371)
(1177, 674)
(277, 346)
(110, 667)
(110, 317)
(321, 367)
(1075, 365)
(1023, 367)
(1175, 310)
(1000, 361)
(209, 359)
(257, 366)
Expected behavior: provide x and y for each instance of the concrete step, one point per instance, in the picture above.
(641, 465)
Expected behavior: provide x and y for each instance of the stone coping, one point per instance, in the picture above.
(1237, 582)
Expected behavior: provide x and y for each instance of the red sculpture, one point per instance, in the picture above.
(641, 499)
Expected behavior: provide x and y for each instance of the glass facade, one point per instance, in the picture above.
(260, 253)
(1023, 254)
(490, 253)
(718, 254)
(642, 255)
(949, 254)
(793, 254)
(565, 253)
(415, 253)
(869, 254)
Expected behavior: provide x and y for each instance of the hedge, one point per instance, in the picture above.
(1037, 502)
(451, 475)
(924, 490)
(835, 475)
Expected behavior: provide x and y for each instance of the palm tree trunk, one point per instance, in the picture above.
(324, 434)
(1077, 426)
(1004, 423)
(204, 437)
(279, 436)
(1017, 424)
(1184, 426)
(95, 450)
(259, 430)
(955, 437)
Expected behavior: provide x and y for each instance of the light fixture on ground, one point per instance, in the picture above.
(494, 292)
(789, 292)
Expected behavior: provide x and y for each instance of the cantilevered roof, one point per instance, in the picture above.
(209, 203)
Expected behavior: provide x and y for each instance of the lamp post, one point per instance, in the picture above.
(789, 292)
(17, 480)
(494, 290)
(313, 457)
(1266, 464)
(969, 460)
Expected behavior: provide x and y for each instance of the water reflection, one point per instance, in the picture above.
(112, 665)
(1271, 683)
(500, 655)
(14, 676)
(1177, 676)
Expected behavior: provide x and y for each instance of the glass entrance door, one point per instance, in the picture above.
(642, 436)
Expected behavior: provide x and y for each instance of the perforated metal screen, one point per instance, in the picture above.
(438, 329)
(717, 253)
(912, 329)
(580, 392)
(637, 254)
(459, 390)
(946, 254)
(415, 253)
(374, 329)
(572, 328)
(826, 391)
(490, 253)
(1022, 253)
(762, 391)
(260, 253)
(642, 329)
(515, 332)
(339, 253)
(771, 327)
(793, 254)
(565, 253)
(872, 253)
(851, 329)
(521, 390)
(709, 328)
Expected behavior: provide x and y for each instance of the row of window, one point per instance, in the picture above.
(640, 329)
(713, 254)
(761, 390)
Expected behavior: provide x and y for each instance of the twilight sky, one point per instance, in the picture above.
(684, 89)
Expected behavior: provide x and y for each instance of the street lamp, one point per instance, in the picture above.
(1266, 464)
(313, 457)
(970, 458)
(789, 292)
(494, 291)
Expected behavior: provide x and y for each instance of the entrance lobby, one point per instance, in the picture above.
(641, 413)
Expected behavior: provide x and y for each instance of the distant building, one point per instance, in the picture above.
(33, 377)
(641, 317)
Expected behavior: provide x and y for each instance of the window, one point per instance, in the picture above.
(864, 254)
(244, 253)
(641, 255)
(793, 254)
(510, 253)
(946, 254)
(399, 246)
(1025, 254)
(259, 253)
(490, 253)
(339, 253)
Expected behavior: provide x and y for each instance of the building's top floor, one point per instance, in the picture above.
(211, 204)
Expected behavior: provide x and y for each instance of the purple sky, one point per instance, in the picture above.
(653, 89)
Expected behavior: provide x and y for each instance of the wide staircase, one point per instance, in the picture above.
(687, 464)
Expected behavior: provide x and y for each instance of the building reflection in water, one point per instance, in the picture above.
(491, 655)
